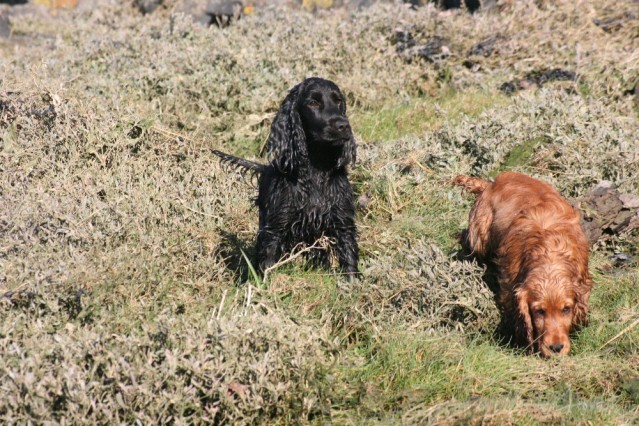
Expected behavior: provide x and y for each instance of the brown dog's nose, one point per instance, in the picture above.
(557, 347)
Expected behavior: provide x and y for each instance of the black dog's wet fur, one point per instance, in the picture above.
(304, 193)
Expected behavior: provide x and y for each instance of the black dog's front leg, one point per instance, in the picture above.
(268, 248)
(347, 251)
(319, 258)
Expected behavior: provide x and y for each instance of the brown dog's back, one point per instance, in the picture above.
(512, 197)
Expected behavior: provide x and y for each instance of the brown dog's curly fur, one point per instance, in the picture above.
(533, 236)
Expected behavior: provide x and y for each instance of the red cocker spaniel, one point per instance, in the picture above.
(534, 238)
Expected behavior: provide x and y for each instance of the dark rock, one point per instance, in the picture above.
(430, 49)
(433, 50)
(414, 4)
(471, 65)
(471, 5)
(135, 132)
(622, 260)
(540, 77)
(450, 4)
(486, 47)
(212, 12)
(224, 8)
(537, 78)
(508, 88)
(403, 39)
(614, 24)
(606, 212)
(148, 6)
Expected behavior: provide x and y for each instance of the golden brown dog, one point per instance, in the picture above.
(534, 238)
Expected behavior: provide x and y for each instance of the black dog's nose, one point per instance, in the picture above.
(340, 124)
(557, 347)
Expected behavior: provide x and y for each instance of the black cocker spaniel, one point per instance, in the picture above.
(304, 193)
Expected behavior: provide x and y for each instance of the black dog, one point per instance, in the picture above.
(304, 193)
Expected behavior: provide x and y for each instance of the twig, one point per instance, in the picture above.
(421, 166)
(170, 133)
(219, 310)
(621, 333)
(248, 296)
(323, 242)
(195, 211)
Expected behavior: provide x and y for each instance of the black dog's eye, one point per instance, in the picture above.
(313, 104)
(566, 310)
(339, 104)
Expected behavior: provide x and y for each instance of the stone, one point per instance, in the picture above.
(606, 212)
(148, 6)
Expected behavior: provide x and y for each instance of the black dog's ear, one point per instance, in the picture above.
(287, 141)
(349, 153)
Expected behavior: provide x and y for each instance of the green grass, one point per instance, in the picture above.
(415, 116)
(520, 155)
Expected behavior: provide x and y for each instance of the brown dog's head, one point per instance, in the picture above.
(550, 304)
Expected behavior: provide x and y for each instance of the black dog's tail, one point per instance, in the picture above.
(240, 162)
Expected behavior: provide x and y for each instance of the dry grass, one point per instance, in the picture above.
(125, 296)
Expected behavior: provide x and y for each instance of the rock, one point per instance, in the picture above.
(402, 39)
(537, 78)
(434, 50)
(5, 26)
(148, 6)
(471, 5)
(508, 88)
(604, 184)
(630, 201)
(486, 47)
(224, 12)
(364, 200)
(620, 259)
(213, 12)
(606, 212)
(615, 23)
(556, 74)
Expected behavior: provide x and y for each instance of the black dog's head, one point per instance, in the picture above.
(311, 127)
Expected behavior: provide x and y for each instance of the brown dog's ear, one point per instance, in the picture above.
(523, 322)
(582, 294)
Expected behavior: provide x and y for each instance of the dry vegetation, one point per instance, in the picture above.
(125, 296)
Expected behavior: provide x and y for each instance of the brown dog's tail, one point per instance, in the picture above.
(471, 184)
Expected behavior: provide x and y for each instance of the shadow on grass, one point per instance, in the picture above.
(505, 330)
(231, 248)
